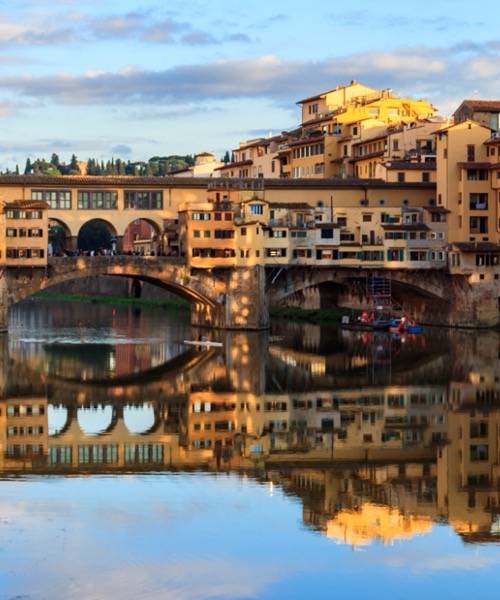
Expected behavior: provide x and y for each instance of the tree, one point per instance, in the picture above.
(74, 169)
(94, 235)
(28, 168)
(57, 237)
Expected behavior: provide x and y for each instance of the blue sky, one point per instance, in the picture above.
(136, 79)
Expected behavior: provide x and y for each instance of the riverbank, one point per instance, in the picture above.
(319, 316)
(171, 303)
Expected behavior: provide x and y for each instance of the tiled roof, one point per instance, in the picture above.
(299, 205)
(474, 165)
(437, 209)
(405, 227)
(108, 181)
(493, 105)
(27, 204)
(411, 166)
(241, 163)
(309, 140)
(477, 246)
(382, 136)
(366, 156)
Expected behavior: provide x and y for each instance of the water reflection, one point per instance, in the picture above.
(380, 437)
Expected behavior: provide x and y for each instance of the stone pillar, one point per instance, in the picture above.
(4, 365)
(4, 302)
(244, 306)
(72, 243)
(246, 301)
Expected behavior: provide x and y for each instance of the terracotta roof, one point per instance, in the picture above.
(311, 98)
(229, 165)
(411, 166)
(107, 181)
(309, 140)
(26, 204)
(474, 165)
(493, 105)
(324, 117)
(322, 225)
(437, 209)
(299, 205)
(477, 246)
(260, 142)
(366, 156)
(405, 227)
(382, 136)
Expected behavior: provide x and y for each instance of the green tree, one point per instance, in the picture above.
(28, 168)
(57, 237)
(73, 166)
(94, 235)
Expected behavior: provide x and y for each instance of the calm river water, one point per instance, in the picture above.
(303, 462)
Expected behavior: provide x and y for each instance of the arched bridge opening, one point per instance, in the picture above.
(425, 295)
(225, 298)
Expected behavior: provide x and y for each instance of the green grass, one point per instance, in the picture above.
(173, 303)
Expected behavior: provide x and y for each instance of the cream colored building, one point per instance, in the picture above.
(24, 233)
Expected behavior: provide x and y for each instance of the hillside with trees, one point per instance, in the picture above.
(156, 166)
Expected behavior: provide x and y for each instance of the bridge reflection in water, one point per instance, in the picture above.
(380, 437)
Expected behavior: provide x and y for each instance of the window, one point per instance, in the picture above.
(275, 252)
(471, 154)
(56, 199)
(426, 177)
(478, 201)
(478, 224)
(478, 452)
(200, 216)
(277, 233)
(224, 234)
(256, 209)
(401, 177)
(326, 234)
(479, 429)
(97, 200)
(143, 200)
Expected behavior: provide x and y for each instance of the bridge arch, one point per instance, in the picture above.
(219, 298)
(419, 292)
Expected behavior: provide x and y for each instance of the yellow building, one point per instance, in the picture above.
(330, 119)
(24, 233)
(255, 158)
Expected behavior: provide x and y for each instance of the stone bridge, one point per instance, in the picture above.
(225, 298)
(430, 296)
(239, 297)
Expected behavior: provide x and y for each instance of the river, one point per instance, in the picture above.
(302, 462)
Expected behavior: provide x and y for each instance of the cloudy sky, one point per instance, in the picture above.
(136, 79)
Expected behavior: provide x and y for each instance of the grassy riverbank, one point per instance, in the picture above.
(171, 303)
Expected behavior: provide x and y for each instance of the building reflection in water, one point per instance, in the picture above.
(380, 438)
